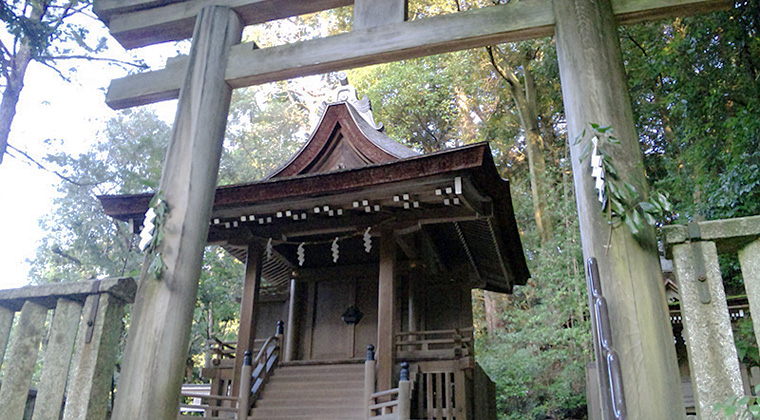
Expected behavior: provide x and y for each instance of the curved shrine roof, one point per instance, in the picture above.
(348, 177)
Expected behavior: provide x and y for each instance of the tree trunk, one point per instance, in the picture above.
(494, 311)
(15, 83)
(527, 108)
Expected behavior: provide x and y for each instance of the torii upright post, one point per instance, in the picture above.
(594, 90)
(154, 360)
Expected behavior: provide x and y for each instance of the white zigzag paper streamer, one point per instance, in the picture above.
(597, 170)
(335, 250)
(301, 254)
(146, 235)
(367, 240)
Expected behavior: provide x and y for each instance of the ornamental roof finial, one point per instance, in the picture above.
(347, 93)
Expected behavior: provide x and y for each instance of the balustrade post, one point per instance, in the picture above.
(404, 394)
(245, 387)
(749, 258)
(707, 330)
(279, 333)
(369, 379)
(21, 359)
(6, 322)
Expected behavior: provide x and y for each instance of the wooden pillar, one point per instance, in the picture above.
(290, 331)
(156, 351)
(594, 90)
(249, 308)
(386, 310)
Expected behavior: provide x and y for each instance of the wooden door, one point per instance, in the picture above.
(333, 339)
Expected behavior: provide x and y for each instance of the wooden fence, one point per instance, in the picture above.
(79, 354)
(707, 331)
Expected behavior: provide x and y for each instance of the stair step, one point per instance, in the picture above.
(337, 375)
(305, 417)
(325, 385)
(300, 401)
(313, 392)
(282, 393)
(321, 412)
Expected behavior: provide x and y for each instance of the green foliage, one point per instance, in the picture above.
(537, 358)
(746, 343)
(623, 202)
(740, 408)
(266, 126)
(696, 99)
(82, 242)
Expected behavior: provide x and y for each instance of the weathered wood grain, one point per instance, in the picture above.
(175, 20)
(249, 308)
(594, 90)
(154, 359)
(372, 13)
(386, 310)
(21, 360)
(55, 368)
(95, 361)
(517, 21)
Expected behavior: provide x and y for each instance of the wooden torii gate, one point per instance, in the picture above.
(594, 91)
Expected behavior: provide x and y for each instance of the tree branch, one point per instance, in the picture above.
(56, 173)
(42, 59)
(58, 251)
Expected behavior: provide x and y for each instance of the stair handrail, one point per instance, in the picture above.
(265, 362)
(251, 380)
(392, 404)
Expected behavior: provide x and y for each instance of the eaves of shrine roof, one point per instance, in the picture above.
(465, 208)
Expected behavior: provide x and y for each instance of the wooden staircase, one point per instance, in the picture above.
(313, 392)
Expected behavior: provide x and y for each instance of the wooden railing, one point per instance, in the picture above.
(82, 344)
(265, 362)
(694, 249)
(253, 377)
(221, 353)
(391, 404)
(434, 344)
(440, 360)
(441, 390)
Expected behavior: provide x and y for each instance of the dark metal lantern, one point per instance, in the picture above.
(352, 315)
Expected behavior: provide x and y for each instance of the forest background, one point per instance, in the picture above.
(695, 89)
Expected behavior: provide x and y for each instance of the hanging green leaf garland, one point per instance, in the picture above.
(152, 233)
(622, 201)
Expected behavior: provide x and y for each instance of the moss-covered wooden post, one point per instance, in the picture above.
(154, 359)
(594, 90)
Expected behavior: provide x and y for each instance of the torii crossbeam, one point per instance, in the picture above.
(594, 91)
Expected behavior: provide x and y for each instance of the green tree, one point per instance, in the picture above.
(81, 241)
(694, 85)
(45, 31)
